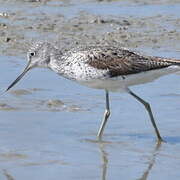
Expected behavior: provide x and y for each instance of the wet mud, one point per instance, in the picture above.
(72, 23)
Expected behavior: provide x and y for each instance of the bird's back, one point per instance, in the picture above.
(118, 61)
(95, 66)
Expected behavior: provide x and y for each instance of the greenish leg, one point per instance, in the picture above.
(148, 108)
(105, 118)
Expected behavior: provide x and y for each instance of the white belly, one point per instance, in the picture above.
(121, 83)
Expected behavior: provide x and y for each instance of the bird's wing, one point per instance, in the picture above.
(123, 62)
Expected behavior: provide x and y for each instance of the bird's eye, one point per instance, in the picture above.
(32, 54)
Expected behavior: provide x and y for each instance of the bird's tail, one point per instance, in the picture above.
(169, 61)
(175, 62)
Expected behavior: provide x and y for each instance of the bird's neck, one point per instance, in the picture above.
(57, 62)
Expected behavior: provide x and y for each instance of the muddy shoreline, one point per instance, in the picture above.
(154, 31)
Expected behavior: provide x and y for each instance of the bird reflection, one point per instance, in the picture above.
(7, 175)
(104, 159)
(151, 162)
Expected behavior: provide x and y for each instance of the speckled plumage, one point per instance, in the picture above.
(102, 67)
(108, 67)
(97, 61)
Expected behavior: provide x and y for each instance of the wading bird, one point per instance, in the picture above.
(102, 67)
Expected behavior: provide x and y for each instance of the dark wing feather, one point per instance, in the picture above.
(123, 62)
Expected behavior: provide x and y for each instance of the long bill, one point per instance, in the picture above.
(27, 68)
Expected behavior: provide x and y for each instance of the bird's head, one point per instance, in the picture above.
(38, 56)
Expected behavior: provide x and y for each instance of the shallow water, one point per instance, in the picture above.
(48, 125)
